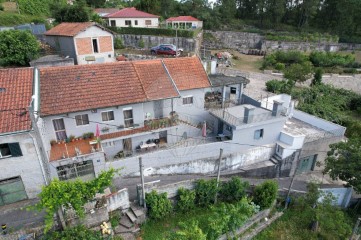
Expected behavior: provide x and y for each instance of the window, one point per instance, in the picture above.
(10, 150)
(107, 116)
(95, 45)
(128, 118)
(82, 119)
(148, 22)
(135, 22)
(187, 100)
(112, 23)
(258, 134)
(83, 170)
(128, 22)
(59, 129)
(279, 150)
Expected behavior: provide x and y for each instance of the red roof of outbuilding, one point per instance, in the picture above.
(130, 13)
(16, 87)
(182, 19)
(71, 29)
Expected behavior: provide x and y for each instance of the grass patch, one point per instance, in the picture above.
(12, 19)
(160, 229)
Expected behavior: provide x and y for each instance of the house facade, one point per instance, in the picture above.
(131, 17)
(184, 22)
(23, 170)
(85, 42)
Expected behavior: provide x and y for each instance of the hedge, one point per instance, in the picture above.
(154, 31)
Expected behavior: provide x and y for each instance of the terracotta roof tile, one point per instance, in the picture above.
(187, 73)
(92, 86)
(182, 19)
(70, 29)
(16, 86)
(130, 13)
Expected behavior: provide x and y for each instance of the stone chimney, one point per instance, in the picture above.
(277, 108)
(248, 114)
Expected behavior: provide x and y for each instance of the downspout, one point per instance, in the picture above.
(39, 156)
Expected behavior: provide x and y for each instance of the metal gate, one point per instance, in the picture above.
(12, 190)
(307, 164)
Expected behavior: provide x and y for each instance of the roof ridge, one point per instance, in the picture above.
(141, 82)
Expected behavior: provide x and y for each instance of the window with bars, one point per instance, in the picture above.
(10, 150)
(83, 170)
(135, 22)
(95, 45)
(59, 128)
(108, 116)
(82, 119)
(187, 100)
(148, 22)
(128, 118)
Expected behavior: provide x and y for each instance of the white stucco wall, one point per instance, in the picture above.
(120, 22)
(27, 166)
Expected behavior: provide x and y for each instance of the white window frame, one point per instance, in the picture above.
(1, 156)
(52, 122)
(187, 104)
(81, 115)
(101, 114)
(97, 45)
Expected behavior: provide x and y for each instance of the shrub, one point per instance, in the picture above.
(1, 7)
(158, 205)
(274, 86)
(265, 194)
(330, 59)
(118, 43)
(186, 199)
(79, 232)
(317, 77)
(233, 190)
(141, 43)
(188, 231)
(206, 192)
(280, 66)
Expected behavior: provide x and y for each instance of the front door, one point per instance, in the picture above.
(307, 164)
(12, 190)
(59, 128)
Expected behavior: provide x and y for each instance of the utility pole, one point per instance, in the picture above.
(142, 181)
(355, 227)
(218, 172)
(293, 177)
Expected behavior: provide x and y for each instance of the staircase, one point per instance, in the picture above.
(275, 159)
(130, 221)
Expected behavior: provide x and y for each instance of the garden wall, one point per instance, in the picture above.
(118, 200)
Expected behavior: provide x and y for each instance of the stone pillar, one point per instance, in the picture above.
(248, 114)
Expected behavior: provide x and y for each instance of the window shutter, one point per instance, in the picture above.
(257, 134)
(15, 149)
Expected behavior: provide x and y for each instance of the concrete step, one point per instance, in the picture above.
(273, 160)
(131, 216)
(126, 222)
(137, 212)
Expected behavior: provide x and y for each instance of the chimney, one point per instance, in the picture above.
(277, 108)
(248, 114)
(213, 67)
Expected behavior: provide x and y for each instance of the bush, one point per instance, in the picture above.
(158, 205)
(186, 200)
(188, 231)
(154, 32)
(118, 43)
(317, 77)
(206, 192)
(280, 66)
(1, 7)
(287, 58)
(79, 232)
(141, 43)
(350, 70)
(330, 59)
(233, 190)
(274, 86)
(265, 194)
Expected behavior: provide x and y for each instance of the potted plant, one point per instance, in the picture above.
(85, 135)
(71, 138)
(105, 129)
(52, 142)
(67, 140)
(91, 134)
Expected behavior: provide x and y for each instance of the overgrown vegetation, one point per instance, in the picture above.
(205, 220)
(71, 195)
(154, 32)
(158, 204)
(12, 19)
(79, 232)
(265, 194)
(18, 48)
(301, 37)
(309, 219)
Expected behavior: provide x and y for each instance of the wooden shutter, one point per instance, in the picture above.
(15, 149)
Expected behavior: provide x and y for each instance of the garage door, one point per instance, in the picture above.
(12, 190)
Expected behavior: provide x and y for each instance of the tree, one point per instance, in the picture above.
(343, 162)
(78, 12)
(18, 47)
(265, 194)
(158, 205)
(71, 195)
(299, 72)
(96, 3)
(317, 77)
(188, 231)
(233, 190)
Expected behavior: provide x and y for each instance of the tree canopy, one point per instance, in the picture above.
(18, 47)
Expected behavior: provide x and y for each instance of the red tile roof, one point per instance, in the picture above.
(182, 19)
(130, 13)
(187, 73)
(77, 88)
(71, 29)
(16, 86)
